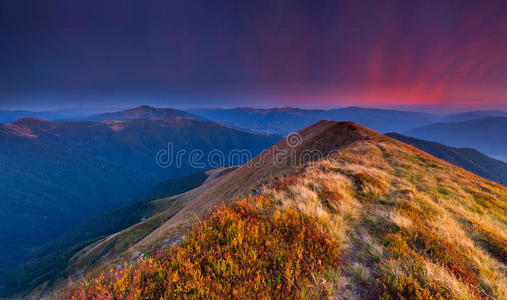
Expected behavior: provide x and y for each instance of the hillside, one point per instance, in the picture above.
(487, 135)
(135, 143)
(46, 187)
(372, 218)
(55, 175)
(54, 259)
(140, 112)
(286, 120)
(467, 158)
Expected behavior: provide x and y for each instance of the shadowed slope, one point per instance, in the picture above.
(135, 143)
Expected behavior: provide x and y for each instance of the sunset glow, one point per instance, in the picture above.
(449, 53)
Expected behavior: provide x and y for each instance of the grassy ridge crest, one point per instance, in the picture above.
(385, 220)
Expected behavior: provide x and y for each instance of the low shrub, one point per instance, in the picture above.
(247, 249)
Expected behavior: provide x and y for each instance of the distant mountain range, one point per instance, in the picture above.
(140, 112)
(13, 115)
(487, 135)
(467, 158)
(55, 175)
(470, 115)
(266, 121)
(286, 120)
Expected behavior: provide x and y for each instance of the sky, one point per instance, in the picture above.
(443, 54)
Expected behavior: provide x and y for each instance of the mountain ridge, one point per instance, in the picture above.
(402, 222)
(113, 140)
(261, 168)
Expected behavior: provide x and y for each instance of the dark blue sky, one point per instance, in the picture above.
(258, 53)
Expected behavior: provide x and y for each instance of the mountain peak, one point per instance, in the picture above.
(143, 108)
(324, 138)
(30, 121)
(332, 133)
(314, 142)
(142, 112)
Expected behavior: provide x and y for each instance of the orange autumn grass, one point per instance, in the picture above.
(247, 249)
